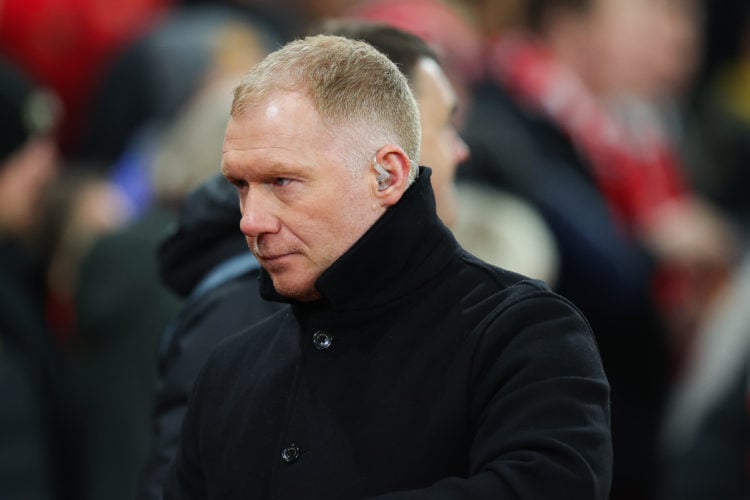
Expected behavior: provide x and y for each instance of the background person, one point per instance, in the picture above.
(29, 364)
(641, 253)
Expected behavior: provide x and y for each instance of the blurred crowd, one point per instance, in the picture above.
(607, 147)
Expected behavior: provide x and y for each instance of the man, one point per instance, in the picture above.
(403, 367)
(206, 259)
(639, 253)
(29, 361)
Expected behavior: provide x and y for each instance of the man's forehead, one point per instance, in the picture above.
(276, 97)
(429, 67)
(271, 109)
(277, 107)
(433, 91)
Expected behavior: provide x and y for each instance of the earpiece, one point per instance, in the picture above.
(383, 177)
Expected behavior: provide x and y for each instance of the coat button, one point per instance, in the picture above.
(322, 339)
(290, 454)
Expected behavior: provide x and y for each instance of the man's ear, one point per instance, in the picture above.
(390, 174)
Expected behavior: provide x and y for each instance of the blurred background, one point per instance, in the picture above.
(609, 156)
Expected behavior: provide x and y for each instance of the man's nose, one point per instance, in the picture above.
(257, 215)
(461, 149)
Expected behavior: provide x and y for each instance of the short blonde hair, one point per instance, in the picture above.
(356, 90)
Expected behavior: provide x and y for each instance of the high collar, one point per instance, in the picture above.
(403, 250)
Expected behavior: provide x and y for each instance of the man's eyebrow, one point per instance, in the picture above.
(296, 167)
(454, 111)
(274, 170)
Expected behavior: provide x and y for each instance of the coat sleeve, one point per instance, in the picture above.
(540, 410)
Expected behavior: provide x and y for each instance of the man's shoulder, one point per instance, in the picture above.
(495, 279)
(499, 290)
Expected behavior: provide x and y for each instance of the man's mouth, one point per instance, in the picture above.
(269, 255)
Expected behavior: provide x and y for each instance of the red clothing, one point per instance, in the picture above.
(636, 177)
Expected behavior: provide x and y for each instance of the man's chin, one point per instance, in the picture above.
(295, 291)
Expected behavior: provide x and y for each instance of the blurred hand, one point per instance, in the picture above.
(696, 251)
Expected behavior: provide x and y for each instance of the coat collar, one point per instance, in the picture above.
(401, 252)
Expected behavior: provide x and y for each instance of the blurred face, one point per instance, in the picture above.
(442, 148)
(675, 54)
(302, 205)
(23, 179)
(650, 45)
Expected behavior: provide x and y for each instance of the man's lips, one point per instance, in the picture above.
(275, 257)
(267, 253)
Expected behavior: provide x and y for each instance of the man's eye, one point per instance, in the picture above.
(281, 181)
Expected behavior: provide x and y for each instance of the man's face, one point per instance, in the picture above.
(442, 148)
(302, 206)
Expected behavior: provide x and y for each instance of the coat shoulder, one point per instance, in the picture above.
(491, 280)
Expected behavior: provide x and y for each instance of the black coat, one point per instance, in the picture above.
(30, 390)
(122, 309)
(422, 373)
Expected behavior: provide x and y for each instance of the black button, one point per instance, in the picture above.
(290, 454)
(322, 340)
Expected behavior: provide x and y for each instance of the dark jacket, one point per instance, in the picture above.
(207, 262)
(30, 376)
(122, 308)
(422, 370)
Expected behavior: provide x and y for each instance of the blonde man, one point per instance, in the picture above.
(403, 367)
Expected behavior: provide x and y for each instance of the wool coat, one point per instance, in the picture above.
(422, 372)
